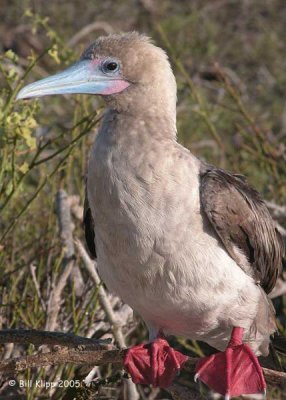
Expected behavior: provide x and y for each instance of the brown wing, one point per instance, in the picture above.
(89, 228)
(243, 223)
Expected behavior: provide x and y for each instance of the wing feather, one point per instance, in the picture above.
(244, 225)
(89, 228)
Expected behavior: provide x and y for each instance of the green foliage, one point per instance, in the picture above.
(36, 156)
(21, 150)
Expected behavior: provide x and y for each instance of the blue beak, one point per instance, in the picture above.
(83, 77)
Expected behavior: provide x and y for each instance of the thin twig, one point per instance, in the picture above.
(276, 210)
(37, 286)
(90, 376)
(95, 26)
(279, 289)
(66, 232)
(201, 110)
(64, 219)
(55, 301)
(106, 305)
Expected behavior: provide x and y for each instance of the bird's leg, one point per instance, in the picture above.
(233, 372)
(154, 363)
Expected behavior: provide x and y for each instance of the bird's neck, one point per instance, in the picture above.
(128, 126)
(152, 105)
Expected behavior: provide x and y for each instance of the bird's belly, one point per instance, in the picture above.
(166, 263)
(195, 291)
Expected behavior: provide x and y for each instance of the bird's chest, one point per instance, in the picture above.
(119, 190)
(120, 186)
(149, 235)
(136, 200)
(151, 241)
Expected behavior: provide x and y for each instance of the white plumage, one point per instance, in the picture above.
(155, 247)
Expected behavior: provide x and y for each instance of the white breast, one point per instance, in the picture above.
(158, 252)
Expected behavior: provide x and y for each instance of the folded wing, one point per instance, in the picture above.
(244, 225)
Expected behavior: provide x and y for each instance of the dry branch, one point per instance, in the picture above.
(66, 232)
(65, 227)
(279, 289)
(38, 338)
(116, 325)
(277, 211)
(83, 354)
(104, 301)
(87, 351)
(37, 286)
(88, 29)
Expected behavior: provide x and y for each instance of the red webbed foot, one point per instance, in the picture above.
(235, 371)
(154, 363)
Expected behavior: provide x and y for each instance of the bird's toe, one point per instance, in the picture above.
(154, 363)
(234, 372)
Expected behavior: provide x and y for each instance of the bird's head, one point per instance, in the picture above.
(122, 68)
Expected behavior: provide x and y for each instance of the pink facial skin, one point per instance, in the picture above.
(115, 86)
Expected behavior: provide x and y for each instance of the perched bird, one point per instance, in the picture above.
(191, 247)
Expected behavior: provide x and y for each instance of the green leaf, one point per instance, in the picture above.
(26, 134)
(24, 168)
(11, 56)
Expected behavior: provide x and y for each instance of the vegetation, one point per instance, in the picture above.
(229, 60)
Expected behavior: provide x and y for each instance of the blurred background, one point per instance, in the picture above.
(229, 58)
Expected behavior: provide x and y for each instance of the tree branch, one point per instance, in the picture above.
(79, 355)
(80, 350)
(39, 338)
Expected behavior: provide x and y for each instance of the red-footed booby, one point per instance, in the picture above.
(190, 247)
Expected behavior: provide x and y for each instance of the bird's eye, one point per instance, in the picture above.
(110, 66)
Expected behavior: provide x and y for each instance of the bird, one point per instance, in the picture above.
(190, 247)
